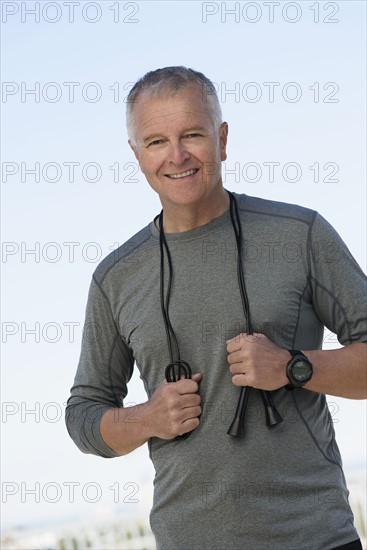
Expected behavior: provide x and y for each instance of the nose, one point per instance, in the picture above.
(178, 153)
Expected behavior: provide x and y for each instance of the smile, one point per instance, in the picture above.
(183, 174)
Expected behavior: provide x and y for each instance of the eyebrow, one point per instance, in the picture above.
(189, 130)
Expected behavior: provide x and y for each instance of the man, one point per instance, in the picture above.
(173, 293)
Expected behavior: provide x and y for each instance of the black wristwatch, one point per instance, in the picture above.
(299, 370)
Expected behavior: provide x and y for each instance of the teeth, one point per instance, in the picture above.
(183, 174)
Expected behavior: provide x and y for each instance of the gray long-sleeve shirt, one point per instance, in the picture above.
(278, 488)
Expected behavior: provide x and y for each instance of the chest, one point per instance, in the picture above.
(205, 306)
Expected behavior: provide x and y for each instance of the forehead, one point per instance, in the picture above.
(169, 112)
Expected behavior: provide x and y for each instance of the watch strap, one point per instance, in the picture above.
(295, 352)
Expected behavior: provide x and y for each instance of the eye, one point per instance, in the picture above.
(193, 135)
(155, 142)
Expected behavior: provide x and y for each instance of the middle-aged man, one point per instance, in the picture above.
(238, 289)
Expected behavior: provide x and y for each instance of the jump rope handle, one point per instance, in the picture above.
(272, 415)
(174, 372)
(237, 428)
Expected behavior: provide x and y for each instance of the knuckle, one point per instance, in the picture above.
(252, 380)
(235, 380)
(167, 389)
(235, 369)
(172, 401)
(191, 425)
(196, 423)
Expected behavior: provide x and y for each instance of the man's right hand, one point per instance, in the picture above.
(174, 408)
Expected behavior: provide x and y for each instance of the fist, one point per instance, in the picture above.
(174, 407)
(257, 362)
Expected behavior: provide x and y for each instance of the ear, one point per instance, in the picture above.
(223, 135)
(135, 149)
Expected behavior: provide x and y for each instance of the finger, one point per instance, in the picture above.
(190, 400)
(190, 425)
(235, 343)
(235, 357)
(237, 368)
(192, 412)
(187, 385)
(240, 380)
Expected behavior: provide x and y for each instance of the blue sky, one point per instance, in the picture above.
(312, 131)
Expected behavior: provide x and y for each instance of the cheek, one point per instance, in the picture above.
(151, 164)
(211, 160)
(209, 153)
(151, 173)
(148, 167)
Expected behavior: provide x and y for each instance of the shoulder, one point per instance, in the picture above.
(278, 211)
(134, 245)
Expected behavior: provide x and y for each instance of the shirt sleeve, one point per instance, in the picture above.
(338, 284)
(105, 366)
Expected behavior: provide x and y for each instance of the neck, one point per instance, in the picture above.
(180, 218)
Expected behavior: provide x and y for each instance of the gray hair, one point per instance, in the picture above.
(168, 81)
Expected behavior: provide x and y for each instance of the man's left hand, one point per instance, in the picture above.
(257, 362)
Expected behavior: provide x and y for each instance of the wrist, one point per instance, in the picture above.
(284, 358)
(145, 420)
(299, 370)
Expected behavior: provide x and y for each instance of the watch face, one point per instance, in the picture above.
(301, 370)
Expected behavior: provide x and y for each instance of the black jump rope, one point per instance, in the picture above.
(177, 368)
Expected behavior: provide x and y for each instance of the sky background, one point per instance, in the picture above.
(291, 82)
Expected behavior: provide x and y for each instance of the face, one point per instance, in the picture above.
(178, 147)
